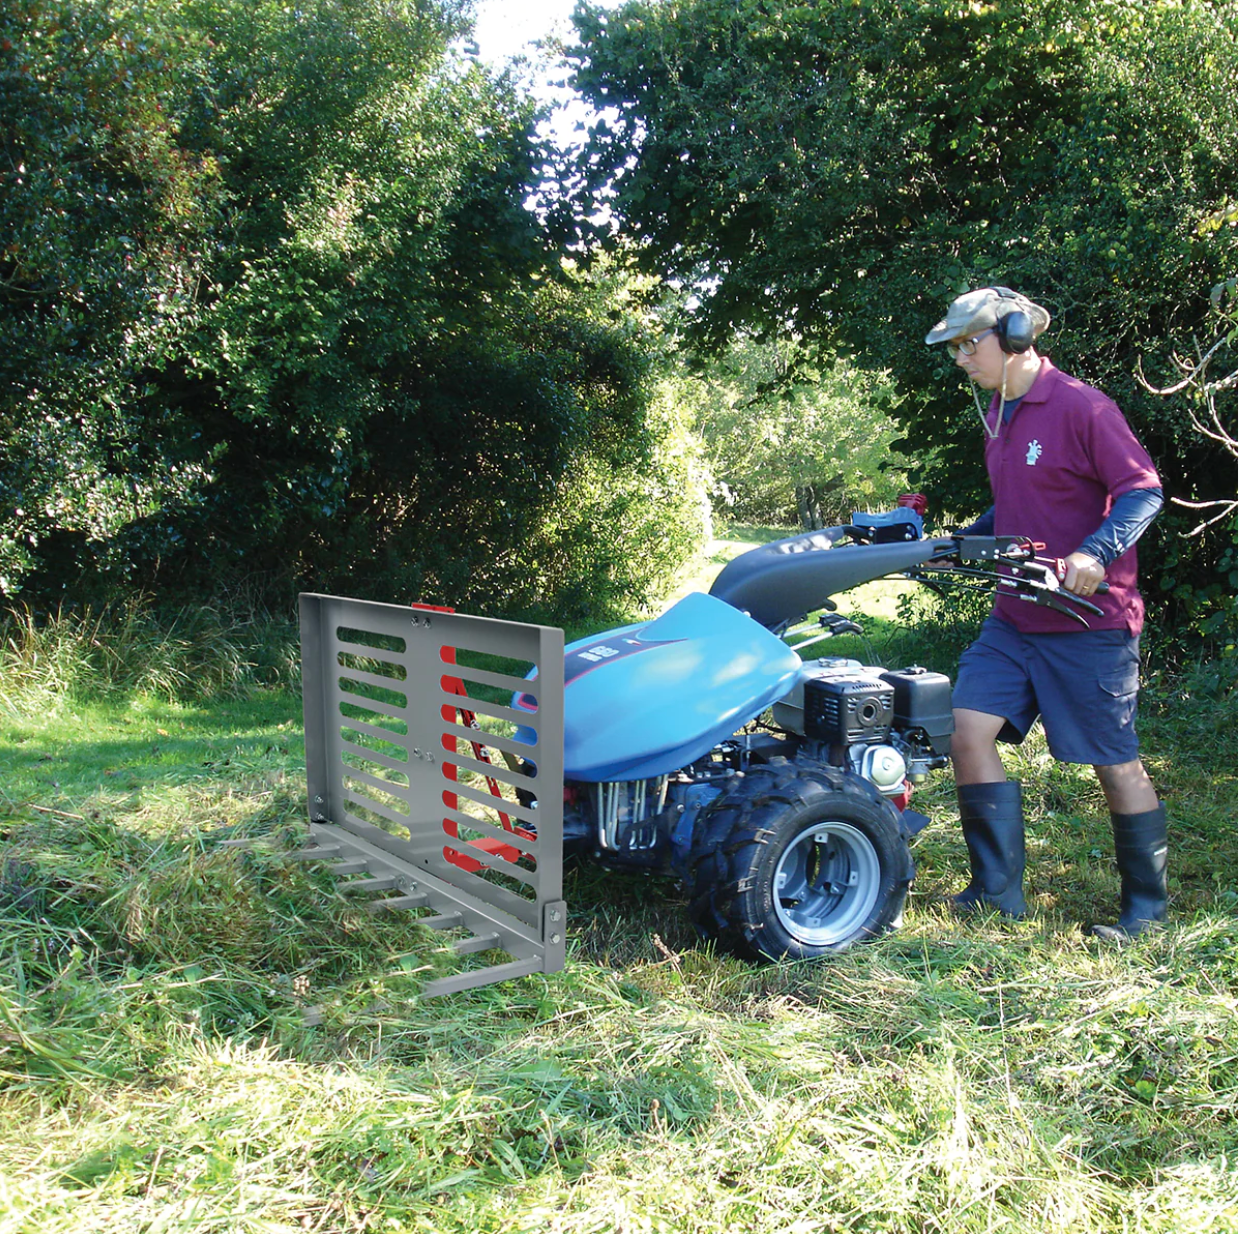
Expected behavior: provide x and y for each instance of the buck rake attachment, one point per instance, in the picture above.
(405, 802)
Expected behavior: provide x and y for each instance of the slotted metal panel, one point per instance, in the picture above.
(410, 736)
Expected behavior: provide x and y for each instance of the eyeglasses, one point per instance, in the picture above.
(967, 346)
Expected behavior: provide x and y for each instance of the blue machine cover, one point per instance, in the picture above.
(648, 699)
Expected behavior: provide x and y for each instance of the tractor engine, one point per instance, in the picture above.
(887, 726)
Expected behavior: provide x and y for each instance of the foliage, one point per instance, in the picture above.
(784, 442)
(103, 213)
(372, 367)
(536, 467)
(1210, 403)
(624, 527)
(835, 173)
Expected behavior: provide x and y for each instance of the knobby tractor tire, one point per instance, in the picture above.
(798, 861)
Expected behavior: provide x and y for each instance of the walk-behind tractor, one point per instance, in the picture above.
(773, 782)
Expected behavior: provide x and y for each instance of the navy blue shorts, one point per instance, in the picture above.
(1084, 686)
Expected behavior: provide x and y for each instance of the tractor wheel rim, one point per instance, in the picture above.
(826, 883)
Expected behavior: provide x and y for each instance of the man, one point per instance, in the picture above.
(1065, 470)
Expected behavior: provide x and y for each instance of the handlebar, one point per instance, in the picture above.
(778, 583)
(1034, 579)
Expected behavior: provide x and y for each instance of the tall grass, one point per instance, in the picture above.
(158, 1070)
(132, 647)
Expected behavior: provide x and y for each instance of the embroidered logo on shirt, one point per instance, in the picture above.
(1034, 452)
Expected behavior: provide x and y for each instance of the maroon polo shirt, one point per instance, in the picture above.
(1055, 469)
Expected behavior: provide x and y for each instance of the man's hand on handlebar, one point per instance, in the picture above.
(1081, 574)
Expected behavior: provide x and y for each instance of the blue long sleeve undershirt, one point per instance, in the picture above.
(1131, 513)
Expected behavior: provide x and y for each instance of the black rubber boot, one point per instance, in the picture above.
(994, 830)
(1141, 854)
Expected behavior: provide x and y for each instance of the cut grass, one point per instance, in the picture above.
(957, 1084)
(157, 1072)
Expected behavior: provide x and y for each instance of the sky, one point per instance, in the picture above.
(504, 29)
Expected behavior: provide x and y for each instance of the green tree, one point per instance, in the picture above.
(356, 359)
(778, 450)
(836, 172)
(103, 213)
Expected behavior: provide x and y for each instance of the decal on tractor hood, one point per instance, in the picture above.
(578, 663)
(607, 651)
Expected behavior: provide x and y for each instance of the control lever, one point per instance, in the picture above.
(832, 624)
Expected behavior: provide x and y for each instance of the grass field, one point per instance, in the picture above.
(157, 1072)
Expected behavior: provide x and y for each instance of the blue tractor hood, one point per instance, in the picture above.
(645, 700)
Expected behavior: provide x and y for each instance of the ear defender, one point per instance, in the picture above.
(1015, 329)
(1015, 332)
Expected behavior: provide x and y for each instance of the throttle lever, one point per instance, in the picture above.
(993, 548)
